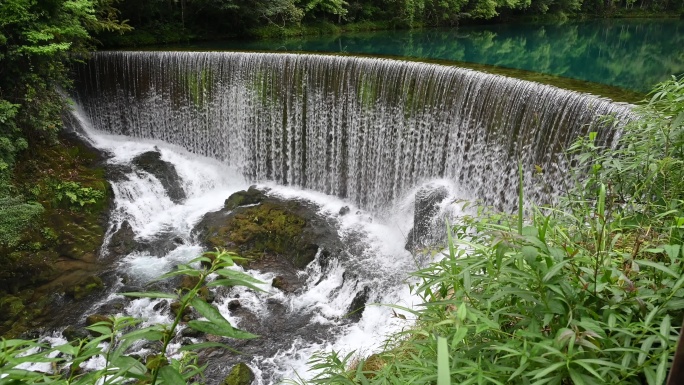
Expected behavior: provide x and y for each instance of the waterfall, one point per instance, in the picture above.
(363, 129)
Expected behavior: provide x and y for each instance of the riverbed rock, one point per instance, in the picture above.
(247, 197)
(355, 311)
(270, 232)
(86, 287)
(122, 241)
(164, 171)
(241, 374)
(75, 333)
(427, 202)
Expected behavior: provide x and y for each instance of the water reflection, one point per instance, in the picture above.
(631, 54)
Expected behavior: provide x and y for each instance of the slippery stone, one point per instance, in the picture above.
(273, 228)
(165, 172)
(355, 311)
(244, 198)
(241, 374)
(427, 202)
(122, 241)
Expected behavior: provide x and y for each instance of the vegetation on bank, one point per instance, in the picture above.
(171, 21)
(51, 196)
(589, 291)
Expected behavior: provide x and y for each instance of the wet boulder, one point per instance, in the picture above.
(247, 197)
(427, 203)
(271, 232)
(122, 241)
(355, 311)
(241, 374)
(164, 171)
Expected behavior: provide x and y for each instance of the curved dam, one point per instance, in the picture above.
(363, 129)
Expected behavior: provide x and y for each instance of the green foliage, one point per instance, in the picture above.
(15, 216)
(113, 338)
(589, 292)
(171, 20)
(75, 195)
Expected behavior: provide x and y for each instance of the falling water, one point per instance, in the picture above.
(363, 129)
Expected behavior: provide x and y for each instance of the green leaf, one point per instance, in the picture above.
(129, 366)
(662, 368)
(645, 350)
(443, 370)
(171, 376)
(209, 312)
(554, 270)
(658, 266)
(543, 373)
(150, 294)
(220, 330)
(234, 282)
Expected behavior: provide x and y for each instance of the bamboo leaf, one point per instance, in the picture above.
(443, 369)
(171, 376)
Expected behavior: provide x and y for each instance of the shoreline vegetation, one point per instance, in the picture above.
(144, 36)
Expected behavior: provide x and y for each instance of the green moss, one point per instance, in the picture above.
(85, 288)
(60, 232)
(241, 374)
(268, 228)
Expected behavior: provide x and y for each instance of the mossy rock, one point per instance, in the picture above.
(73, 333)
(97, 318)
(83, 289)
(265, 228)
(11, 307)
(165, 172)
(244, 198)
(241, 374)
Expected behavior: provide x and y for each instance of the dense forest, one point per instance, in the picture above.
(173, 20)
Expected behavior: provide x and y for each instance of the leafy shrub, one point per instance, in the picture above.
(74, 194)
(15, 216)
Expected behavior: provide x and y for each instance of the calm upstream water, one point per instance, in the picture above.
(630, 54)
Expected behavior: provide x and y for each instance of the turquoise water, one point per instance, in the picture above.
(630, 54)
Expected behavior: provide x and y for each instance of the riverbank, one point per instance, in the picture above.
(55, 259)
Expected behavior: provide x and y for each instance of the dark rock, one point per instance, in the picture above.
(241, 374)
(97, 318)
(161, 306)
(244, 198)
(282, 283)
(289, 229)
(123, 241)
(154, 346)
(234, 305)
(191, 333)
(165, 172)
(74, 333)
(85, 287)
(344, 210)
(355, 311)
(114, 306)
(427, 203)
